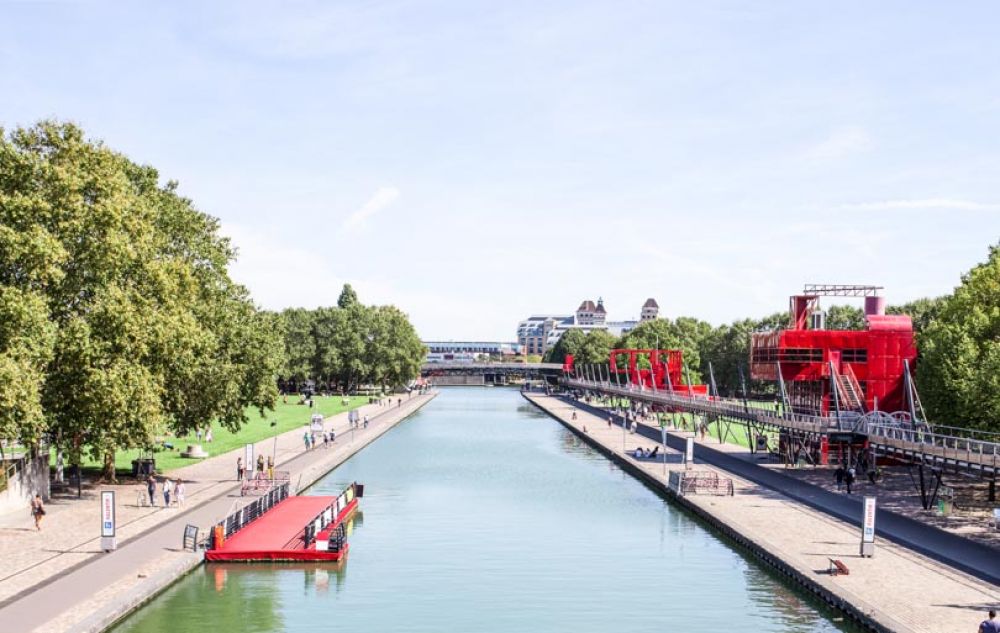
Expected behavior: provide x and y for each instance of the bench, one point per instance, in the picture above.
(837, 568)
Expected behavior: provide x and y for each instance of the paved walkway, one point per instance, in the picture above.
(79, 588)
(899, 588)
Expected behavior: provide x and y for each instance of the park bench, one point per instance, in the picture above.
(837, 568)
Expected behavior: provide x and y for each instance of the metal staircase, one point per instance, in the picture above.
(852, 397)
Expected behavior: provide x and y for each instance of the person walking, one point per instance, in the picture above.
(179, 492)
(270, 468)
(260, 466)
(305, 439)
(849, 478)
(611, 419)
(168, 487)
(151, 489)
(366, 421)
(838, 475)
(240, 470)
(37, 511)
(208, 435)
(333, 436)
(991, 624)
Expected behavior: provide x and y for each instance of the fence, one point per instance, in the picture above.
(262, 484)
(238, 520)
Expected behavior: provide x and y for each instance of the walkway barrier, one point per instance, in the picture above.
(334, 541)
(707, 483)
(261, 484)
(239, 519)
(890, 434)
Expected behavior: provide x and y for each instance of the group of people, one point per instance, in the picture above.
(640, 453)
(311, 438)
(173, 491)
(264, 469)
(845, 476)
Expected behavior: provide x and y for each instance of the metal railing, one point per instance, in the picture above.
(236, 521)
(890, 431)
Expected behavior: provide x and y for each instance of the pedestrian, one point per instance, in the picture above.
(239, 469)
(179, 491)
(333, 436)
(326, 439)
(574, 415)
(611, 419)
(168, 487)
(399, 402)
(366, 421)
(305, 439)
(838, 475)
(990, 625)
(849, 478)
(197, 434)
(151, 489)
(270, 468)
(260, 465)
(37, 511)
(208, 435)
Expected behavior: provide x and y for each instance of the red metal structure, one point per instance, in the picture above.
(660, 369)
(823, 370)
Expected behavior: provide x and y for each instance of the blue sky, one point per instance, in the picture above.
(477, 162)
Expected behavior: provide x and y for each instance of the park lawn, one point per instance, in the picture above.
(288, 416)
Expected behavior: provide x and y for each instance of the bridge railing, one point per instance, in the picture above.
(983, 454)
(945, 447)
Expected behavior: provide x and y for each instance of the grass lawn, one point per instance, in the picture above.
(288, 416)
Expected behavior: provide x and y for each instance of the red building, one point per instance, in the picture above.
(865, 367)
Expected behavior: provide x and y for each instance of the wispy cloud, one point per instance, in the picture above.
(922, 203)
(383, 198)
(841, 142)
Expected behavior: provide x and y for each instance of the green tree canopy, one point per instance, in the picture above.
(958, 372)
(128, 322)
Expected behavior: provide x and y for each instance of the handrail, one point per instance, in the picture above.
(955, 448)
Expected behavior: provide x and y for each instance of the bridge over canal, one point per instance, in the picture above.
(450, 374)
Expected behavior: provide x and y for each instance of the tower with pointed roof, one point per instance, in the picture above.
(650, 310)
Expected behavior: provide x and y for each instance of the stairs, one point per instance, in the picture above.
(852, 398)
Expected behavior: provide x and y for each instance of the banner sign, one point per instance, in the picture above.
(107, 513)
(868, 521)
(248, 460)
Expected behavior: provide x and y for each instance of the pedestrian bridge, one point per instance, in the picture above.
(488, 373)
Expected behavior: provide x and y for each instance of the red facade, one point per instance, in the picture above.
(871, 359)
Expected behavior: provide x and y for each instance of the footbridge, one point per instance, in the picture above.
(932, 450)
(488, 373)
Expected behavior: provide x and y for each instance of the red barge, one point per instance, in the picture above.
(279, 527)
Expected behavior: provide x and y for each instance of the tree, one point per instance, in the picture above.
(958, 373)
(569, 343)
(347, 297)
(123, 285)
(844, 317)
(596, 348)
(685, 334)
(300, 344)
(922, 311)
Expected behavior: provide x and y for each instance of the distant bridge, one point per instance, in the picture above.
(488, 373)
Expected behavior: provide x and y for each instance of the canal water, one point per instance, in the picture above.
(482, 514)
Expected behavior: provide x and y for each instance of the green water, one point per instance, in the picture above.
(482, 514)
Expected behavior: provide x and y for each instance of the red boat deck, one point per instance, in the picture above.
(277, 534)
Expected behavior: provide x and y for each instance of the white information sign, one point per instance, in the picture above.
(107, 513)
(868, 521)
(248, 460)
(689, 451)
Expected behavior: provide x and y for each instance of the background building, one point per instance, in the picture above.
(538, 333)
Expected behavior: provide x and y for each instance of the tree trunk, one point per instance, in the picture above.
(108, 475)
